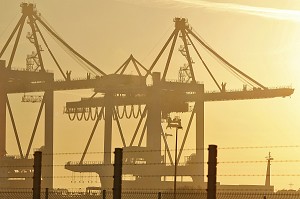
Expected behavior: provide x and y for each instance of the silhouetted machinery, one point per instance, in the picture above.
(124, 96)
(16, 172)
(159, 99)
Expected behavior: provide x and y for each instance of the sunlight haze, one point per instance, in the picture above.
(261, 38)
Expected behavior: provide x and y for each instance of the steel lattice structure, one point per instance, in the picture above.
(147, 103)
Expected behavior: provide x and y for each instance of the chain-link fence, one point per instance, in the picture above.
(27, 194)
(86, 180)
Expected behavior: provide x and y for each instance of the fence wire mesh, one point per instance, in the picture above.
(27, 194)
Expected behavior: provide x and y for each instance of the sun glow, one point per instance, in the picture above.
(280, 14)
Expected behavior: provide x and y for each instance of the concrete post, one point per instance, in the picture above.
(117, 189)
(103, 194)
(212, 172)
(37, 175)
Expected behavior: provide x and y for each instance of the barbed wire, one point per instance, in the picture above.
(152, 176)
(257, 161)
(125, 163)
(258, 147)
(162, 150)
(87, 177)
(101, 152)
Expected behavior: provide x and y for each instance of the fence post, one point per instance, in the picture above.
(47, 193)
(212, 172)
(117, 189)
(104, 194)
(159, 195)
(37, 173)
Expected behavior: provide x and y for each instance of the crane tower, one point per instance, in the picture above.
(159, 99)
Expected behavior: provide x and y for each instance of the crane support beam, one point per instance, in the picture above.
(11, 36)
(16, 42)
(108, 128)
(136, 66)
(89, 140)
(3, 97)
(222, 59)
(119, 127)
(49, 123)
(35, 128)
(199, 110)
(67, 45)
(14, 77)
(249, 94)
(188, 54)
(36, 43)
(14, 127)
(50, 52)
(153, 123)
(20, 81)
(170, 55)
(188, 97)
(138, 126)
(203, 62)
(136, 170)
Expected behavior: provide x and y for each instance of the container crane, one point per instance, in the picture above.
(33, 78)
(159, 99)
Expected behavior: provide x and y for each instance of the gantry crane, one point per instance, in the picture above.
(119, 90)
(158, 100)
(34, 78)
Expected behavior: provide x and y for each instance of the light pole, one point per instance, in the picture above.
(175, 123)
(165, 159)
(166, 135)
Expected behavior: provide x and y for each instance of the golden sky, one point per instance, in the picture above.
(260, 38)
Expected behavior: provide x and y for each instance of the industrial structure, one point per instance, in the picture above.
(149, 104)
(159, 100)
(33, 78)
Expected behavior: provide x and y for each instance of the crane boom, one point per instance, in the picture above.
(182, 92)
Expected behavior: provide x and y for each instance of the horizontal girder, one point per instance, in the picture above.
(25, 81)
(134, 169)
(134, 88)
(169, 97)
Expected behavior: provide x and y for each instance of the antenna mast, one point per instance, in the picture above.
(268, 175)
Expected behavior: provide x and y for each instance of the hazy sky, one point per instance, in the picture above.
(259, 37)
